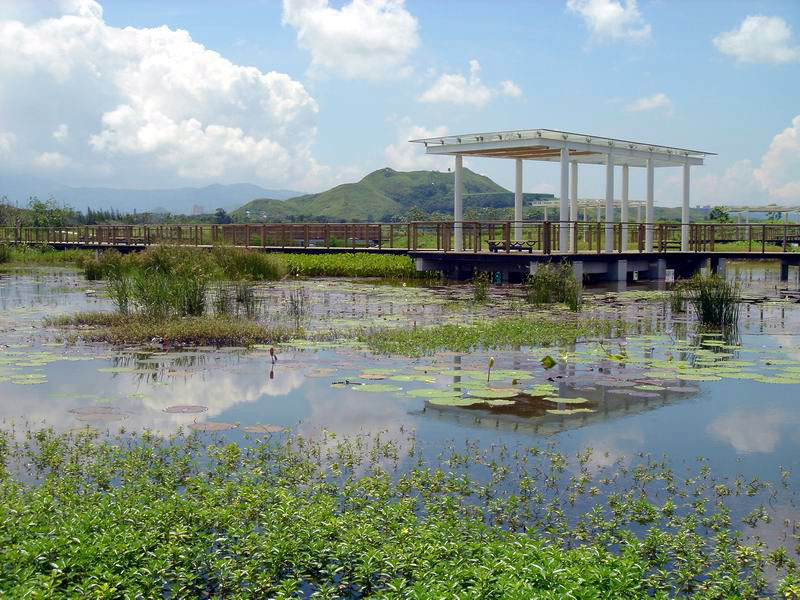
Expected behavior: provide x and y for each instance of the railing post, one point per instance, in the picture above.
(785, 231)
(477, 236)
(507, 236)
(749, 238)
(599, 234)
(763, 239)
(391, 235)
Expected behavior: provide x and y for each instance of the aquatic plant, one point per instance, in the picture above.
(501, 332)
(552, 283)
(480, 287)
(119, 289)
(715, 299)
(288, 516)
(236, 264)
(677, 296)
(298, 304)
(114, 328)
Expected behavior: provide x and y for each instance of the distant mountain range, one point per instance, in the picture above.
(18, 189)
(380, 196)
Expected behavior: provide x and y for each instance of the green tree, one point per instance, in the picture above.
(221, 217)
(719, 214)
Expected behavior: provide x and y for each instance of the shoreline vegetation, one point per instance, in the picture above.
(286, 516)
(222, 263)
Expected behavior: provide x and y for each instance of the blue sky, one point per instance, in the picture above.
(338, 87)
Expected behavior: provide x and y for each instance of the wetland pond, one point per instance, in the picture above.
(661, 389)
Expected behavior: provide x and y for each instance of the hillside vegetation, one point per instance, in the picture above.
(382, 195)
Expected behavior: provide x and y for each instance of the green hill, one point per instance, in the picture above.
(380, 196)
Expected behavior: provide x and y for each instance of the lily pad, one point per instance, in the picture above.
(433, 393)
(493, 393)
(184, 409)
(561, 400)
(443, 401)
(263, 428)
(212, 426)
(378, 387)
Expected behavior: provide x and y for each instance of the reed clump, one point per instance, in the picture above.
(554, 283)
(480, 287)
(715, 300)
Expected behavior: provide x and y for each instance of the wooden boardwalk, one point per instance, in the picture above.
(494, 237)
(636, 248)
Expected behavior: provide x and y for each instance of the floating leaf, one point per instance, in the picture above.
(184, 409)
(428, 393)
(378, 387)
(493, 393)
(444, 401)
(548, 362)
(263, 428)
(211, 426)
(561, 400)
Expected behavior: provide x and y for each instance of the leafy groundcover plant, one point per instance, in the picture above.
(139, 516)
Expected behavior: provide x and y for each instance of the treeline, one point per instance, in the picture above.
(48, 213)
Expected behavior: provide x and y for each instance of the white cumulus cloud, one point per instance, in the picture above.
(364, 39)
(659, 100)
(611, 19)
(51, 160)
(779, 172)
(61, 133)
(147, 102)
(776, 176)
(455, 88)
(759, 39)
(404, 156)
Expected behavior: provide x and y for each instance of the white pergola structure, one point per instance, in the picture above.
(767, 208)
(570, 149)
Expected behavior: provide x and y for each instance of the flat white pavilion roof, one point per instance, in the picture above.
(546, 145)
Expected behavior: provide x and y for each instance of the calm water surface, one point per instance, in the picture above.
(728, 415)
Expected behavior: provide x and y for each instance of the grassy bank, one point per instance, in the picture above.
(21, 255)
(148, 517)
(238, 264)
(503, 332)
(115, 328)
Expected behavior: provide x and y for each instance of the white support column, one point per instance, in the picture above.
(609, 201)
(623, 217)
(573, 203)
(458, 205)
(518, 202)
(544, 214)
(648, 212)
(685, 210)
(639, 212)
(563, 236)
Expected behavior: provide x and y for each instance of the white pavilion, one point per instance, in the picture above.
(570, 149)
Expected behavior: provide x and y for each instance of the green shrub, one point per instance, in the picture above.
(5, 253)
(552, 283)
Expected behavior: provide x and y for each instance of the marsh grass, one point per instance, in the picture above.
(24, 255)
(298, 304)
(715, 300)
(369, 516)
(480, 287)
(115, 328)
(502, 332)
(554, 283)
(225, 263)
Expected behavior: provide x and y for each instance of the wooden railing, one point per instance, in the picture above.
(477, 236)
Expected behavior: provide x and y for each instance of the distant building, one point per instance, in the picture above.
(198, 209)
